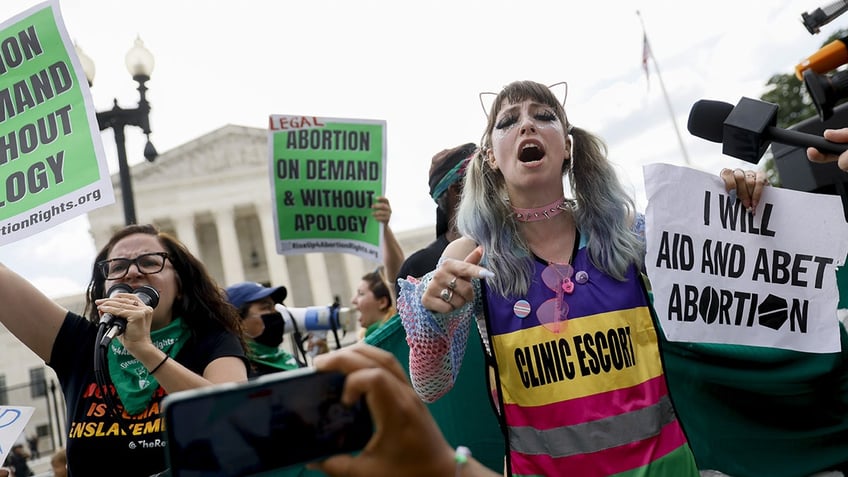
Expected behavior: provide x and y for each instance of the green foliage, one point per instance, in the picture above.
(791, 97)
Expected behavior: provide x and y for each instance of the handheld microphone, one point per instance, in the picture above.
(747, 129)
(316, 318)
(148, 295)
(107, 318)
(830, 56)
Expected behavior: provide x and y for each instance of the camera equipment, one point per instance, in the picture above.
(826, 90)
(822, 16)
(828, 57)
(799, 173)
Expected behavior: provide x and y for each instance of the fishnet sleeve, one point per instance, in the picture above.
(436, 340)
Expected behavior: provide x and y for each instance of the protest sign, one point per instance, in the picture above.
(52, 164)
(13, 419)
(325, 175)
(720, 274)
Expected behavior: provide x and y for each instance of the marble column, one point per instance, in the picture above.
(278, 270)
(186, 233)
(355, 268)
(229, 246)
(319, 279)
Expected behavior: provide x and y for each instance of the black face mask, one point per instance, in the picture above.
(274, 327)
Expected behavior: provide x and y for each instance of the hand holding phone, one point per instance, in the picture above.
(271, 422)
(407, 440)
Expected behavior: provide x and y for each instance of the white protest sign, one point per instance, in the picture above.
(722, 275)
(13, 419)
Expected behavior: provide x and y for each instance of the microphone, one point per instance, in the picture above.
(830, 56)
(116, 288)
(148, 295)
(316, 318)
(747, 129)
(822, 16)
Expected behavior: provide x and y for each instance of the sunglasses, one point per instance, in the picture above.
(553, 313)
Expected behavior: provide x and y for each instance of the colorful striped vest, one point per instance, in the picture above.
(590, 400)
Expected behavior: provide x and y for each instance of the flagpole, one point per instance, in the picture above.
(647, 45)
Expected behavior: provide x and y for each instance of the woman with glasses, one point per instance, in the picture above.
(189, 339)
(574, 396)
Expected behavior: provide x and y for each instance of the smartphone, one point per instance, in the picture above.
(271, 422)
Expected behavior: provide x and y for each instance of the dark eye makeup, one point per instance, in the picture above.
(542, 114)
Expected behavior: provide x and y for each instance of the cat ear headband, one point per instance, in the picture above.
(487, 99)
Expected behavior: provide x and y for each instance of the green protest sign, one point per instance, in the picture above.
(325, 175)
(52, 165)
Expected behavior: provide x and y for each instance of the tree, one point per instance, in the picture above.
(794, 103)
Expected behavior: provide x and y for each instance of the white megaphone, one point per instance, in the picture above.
(317, 318)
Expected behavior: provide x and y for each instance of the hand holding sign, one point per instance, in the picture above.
(747, 184)
(731, 276)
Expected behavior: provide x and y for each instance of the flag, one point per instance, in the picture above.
(646, 53)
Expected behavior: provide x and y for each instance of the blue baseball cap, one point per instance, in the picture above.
(246, 292)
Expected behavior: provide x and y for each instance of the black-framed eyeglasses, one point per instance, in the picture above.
(147, 263)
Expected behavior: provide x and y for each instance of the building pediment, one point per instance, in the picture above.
(219, 151)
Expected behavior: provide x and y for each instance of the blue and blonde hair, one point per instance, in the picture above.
(603, 210)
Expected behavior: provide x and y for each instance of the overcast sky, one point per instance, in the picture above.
(420, 68)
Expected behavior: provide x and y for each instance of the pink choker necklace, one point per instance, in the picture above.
(541, 213)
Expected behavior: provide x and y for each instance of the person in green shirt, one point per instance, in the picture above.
(263, 326)
(374, 302)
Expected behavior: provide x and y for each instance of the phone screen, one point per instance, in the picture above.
(273, 422)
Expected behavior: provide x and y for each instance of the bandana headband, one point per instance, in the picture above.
(450, 177)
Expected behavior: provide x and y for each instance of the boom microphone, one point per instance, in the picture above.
(820, 17)
(147, 294)
(316, 318)
(747, 129)
(830, 56)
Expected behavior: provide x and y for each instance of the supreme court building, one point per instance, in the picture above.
(214, 194)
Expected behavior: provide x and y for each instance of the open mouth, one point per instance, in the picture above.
(531, 153)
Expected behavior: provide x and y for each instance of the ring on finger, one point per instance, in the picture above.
(446, 295)
(452, 284)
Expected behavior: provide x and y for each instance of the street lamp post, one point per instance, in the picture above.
(140, 65)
